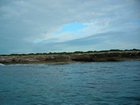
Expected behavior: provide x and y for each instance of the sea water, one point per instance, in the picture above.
(95, 83)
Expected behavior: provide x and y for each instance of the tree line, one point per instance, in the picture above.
(76, 52)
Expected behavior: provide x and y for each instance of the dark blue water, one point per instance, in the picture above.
(97, 83)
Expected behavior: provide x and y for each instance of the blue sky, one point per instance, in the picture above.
(28, 26)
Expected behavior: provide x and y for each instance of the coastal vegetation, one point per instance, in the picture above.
(76, 52)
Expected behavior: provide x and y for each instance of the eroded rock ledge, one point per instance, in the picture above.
(66, 58)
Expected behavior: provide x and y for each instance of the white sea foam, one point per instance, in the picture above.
(1, 64)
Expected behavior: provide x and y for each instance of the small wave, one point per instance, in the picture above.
(27, 65)
(1, 64)
(132, 98)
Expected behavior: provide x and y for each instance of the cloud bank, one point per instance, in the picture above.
(68, 25)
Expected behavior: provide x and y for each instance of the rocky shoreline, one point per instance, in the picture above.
(67, 58)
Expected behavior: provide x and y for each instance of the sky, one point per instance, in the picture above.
(39, 26)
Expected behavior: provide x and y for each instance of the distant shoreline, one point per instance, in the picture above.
(62, 58)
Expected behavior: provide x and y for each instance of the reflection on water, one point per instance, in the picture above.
(97, 83)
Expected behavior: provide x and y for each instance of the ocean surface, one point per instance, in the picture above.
(95, 83)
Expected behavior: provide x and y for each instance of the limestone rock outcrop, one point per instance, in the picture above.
(84, 57)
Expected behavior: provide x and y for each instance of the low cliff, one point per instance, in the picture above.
(106, 56)
(84, 57)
